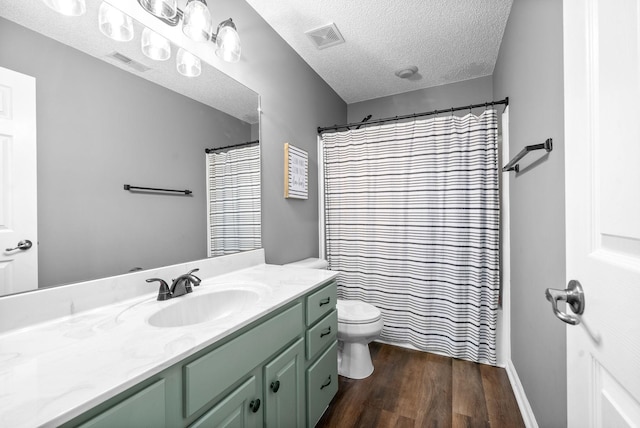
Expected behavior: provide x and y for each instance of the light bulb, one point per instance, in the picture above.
(67, 7)
(115, 24)
(188, 64)
(228, 42)
(155, 46)
(196, 22)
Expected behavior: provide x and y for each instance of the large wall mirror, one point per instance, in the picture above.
(109, 116)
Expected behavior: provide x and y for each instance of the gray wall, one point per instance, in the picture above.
(529, 71)
(457, 94)
(93, 138)
(295, 101)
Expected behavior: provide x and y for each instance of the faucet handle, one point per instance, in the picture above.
(163, 293)
(195, 279)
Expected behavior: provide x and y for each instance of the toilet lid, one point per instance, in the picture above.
(357, 312)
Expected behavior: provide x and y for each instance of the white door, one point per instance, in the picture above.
(18, 183)
(602, 135)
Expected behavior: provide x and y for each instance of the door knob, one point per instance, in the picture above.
(22, 245)
(573, 295)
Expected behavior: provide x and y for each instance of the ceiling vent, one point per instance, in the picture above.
(325, 36)
(137, 66)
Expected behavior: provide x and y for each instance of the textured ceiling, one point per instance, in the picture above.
(212, 87)
(448, 40)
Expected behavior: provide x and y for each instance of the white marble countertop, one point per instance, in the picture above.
(54, 371)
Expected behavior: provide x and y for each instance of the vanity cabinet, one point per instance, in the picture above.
(144, 408)
(321, 374)
(279, 371)
(284, 388)
(214, 372)
(238, 409)
(322, 384)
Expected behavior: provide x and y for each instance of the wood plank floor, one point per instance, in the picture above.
(417, 389)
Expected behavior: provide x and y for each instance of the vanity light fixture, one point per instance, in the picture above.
(196, 21)
(67, 7)
(163, 9)
(188, 64)
(228, 41)
(155, 46)
(115, 24)
(196, 24)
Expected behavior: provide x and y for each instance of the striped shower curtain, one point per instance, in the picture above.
(412, 223)
(233, 200)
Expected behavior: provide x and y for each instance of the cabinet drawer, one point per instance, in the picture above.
(322, 384)
(209, 375)
(143, 409)
(322, 334)
(321, 302)
(234, 410)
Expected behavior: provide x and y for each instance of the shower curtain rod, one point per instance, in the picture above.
(232, 146)
(411, 116)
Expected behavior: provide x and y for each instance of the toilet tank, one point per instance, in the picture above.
(310, 263)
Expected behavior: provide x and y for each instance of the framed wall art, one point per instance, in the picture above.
(296, 172)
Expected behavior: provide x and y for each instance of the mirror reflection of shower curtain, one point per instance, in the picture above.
(412, 216)
(233, 200)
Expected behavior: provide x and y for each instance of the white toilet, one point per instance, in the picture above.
(358, 324)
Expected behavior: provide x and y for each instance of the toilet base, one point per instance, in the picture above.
(354, 360)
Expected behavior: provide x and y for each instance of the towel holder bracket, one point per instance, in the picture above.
(513, 163)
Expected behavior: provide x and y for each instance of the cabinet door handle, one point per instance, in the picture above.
(254, 405)
(326, 383)
(326, 332)
(325, 301)
(275, 386)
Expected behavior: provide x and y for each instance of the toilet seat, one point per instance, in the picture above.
(357, 312)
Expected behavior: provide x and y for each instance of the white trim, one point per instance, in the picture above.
(208, 207)
(523, 403)
(503, 328)
(321, 252)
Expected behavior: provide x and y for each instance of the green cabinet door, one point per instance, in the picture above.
(145, 409)
(284, 388)
(240, 409)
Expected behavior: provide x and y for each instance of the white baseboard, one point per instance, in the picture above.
(525, 408)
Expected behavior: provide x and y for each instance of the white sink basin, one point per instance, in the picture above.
(197, 308)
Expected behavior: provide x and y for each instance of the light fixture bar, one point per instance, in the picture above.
(225, 38)
(169, 21)
(176, 20)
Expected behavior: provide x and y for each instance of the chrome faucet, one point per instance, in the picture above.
(179, 286)
(190, 280)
